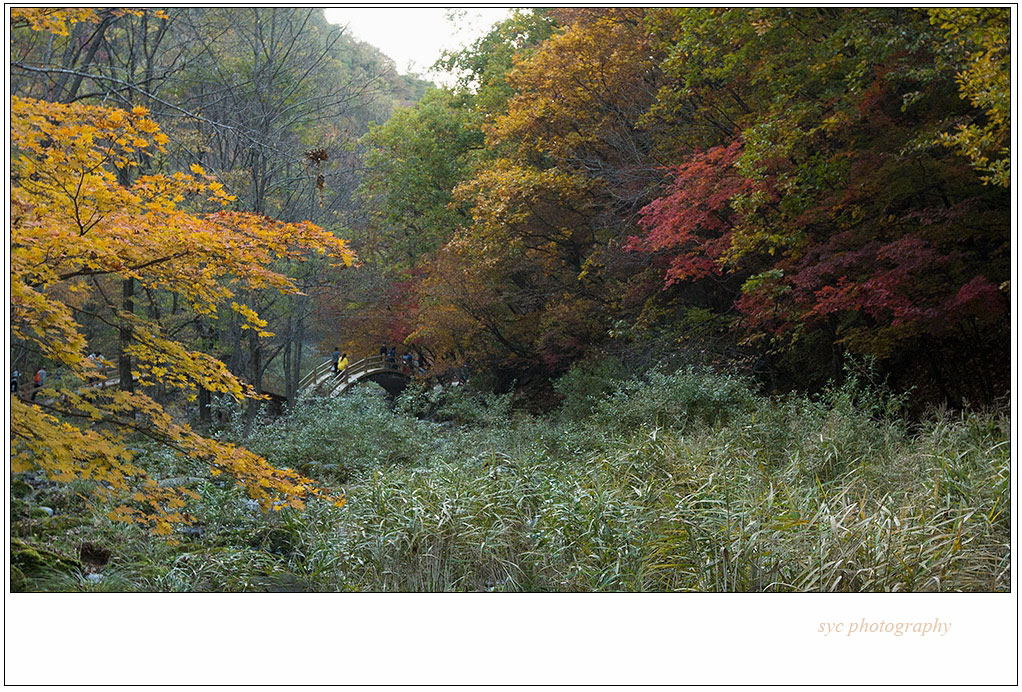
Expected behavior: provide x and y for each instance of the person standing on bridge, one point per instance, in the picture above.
(392, 359)
(336, 359)
(342, 365)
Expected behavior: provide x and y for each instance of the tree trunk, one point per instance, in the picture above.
(288, 378)
(95, 40)
(252, 409)
(123, 359)
(208, 336)
(204, 402)
(299, 343)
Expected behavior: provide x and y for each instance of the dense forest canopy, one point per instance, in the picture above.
(773, 190)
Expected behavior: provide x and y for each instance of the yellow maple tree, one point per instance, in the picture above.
(72, 221)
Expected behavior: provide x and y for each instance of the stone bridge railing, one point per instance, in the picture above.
(324, 379)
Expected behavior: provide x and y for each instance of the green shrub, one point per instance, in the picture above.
(336, 438)
(459, 404)
(673, 400)
(586, 384)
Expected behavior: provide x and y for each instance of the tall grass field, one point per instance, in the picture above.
(681, 480)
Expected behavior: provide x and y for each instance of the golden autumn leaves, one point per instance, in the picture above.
(77, 221)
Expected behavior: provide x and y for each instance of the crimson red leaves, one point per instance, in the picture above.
(693, 220)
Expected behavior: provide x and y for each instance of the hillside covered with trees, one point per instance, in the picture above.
(704, 300)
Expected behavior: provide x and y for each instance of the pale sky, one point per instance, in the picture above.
(414, 37)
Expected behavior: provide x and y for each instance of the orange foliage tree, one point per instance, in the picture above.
(522, 281)
(73, 221)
